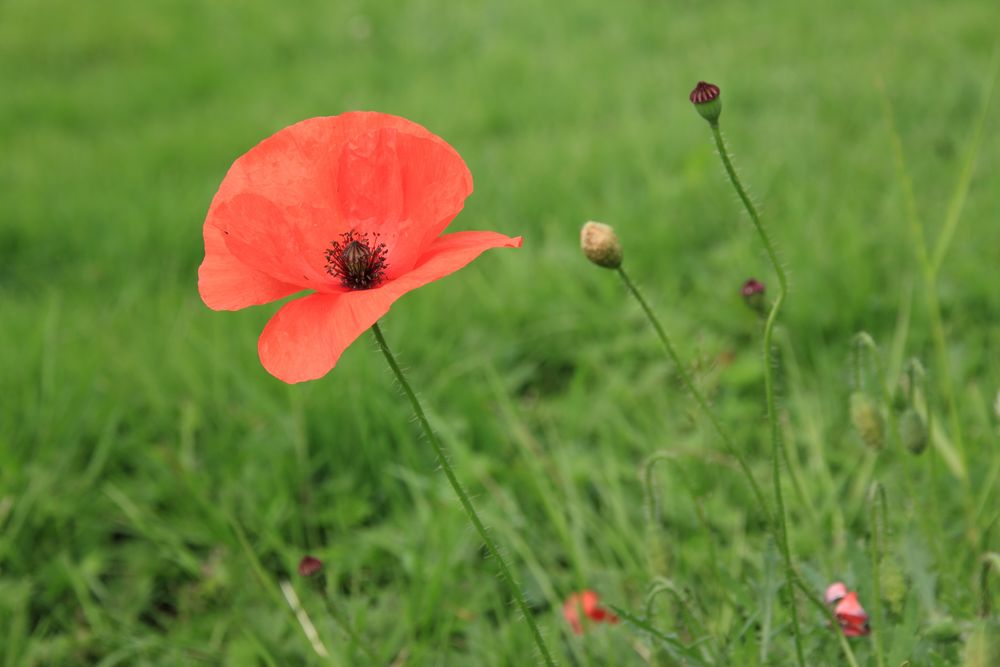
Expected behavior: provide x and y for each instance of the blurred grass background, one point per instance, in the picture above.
(139, 435)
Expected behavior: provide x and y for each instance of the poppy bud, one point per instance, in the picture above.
(913, 431)
(867, 420)
(893, 585)
(601, 245)
(707, 102)
(753, 295)
(943, 629)
(309, 566)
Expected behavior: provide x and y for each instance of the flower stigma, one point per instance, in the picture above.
(359, 263)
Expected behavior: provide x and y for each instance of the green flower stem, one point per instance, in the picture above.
(879, 526)
(698, 397)
(777, 446)
(322, 586)
(463, 497)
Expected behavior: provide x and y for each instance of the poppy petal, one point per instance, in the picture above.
(404, 187)
(448, 253)
(271, 240)
(306, 337)
(835, 592)
(286, 189)
(850, 612)
(225, 283)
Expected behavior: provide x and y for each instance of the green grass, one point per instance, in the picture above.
(140, 438)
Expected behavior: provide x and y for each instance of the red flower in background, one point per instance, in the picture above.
(850, 614)
(590, 604)
(351, 207)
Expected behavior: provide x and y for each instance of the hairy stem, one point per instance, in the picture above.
(463, 497)
(698, 396)
(777, 445)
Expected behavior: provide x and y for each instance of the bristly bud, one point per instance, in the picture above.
(867, 420)
(753, 295)
(600, 244)
(309, 566)
(894, 585)
(706, 99)
(913, 431)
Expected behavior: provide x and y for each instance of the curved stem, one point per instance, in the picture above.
(777, 446)
(463, 497)
(698, 397)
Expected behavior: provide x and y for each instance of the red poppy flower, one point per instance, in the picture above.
(589, 602)
(351, 207)
(852, 616)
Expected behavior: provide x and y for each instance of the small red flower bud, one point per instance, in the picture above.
(705, 98)
(753, 295)
(309, 566)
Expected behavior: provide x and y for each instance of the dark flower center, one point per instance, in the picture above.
(358, 262)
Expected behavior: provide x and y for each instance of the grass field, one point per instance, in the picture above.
(157, 486)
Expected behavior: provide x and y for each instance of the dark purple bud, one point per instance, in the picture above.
(309, 566)
(753, 294)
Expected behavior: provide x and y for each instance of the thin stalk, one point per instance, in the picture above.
(698, 396)
(463, 497)
(777, 446)
(879, 525)
(322, 586)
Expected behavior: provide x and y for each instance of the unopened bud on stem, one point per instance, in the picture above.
(867, 419)
(600, 244)
(309, 565)
(753, 295)
(913, 431)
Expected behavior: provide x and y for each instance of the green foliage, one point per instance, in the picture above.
(156, 485)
